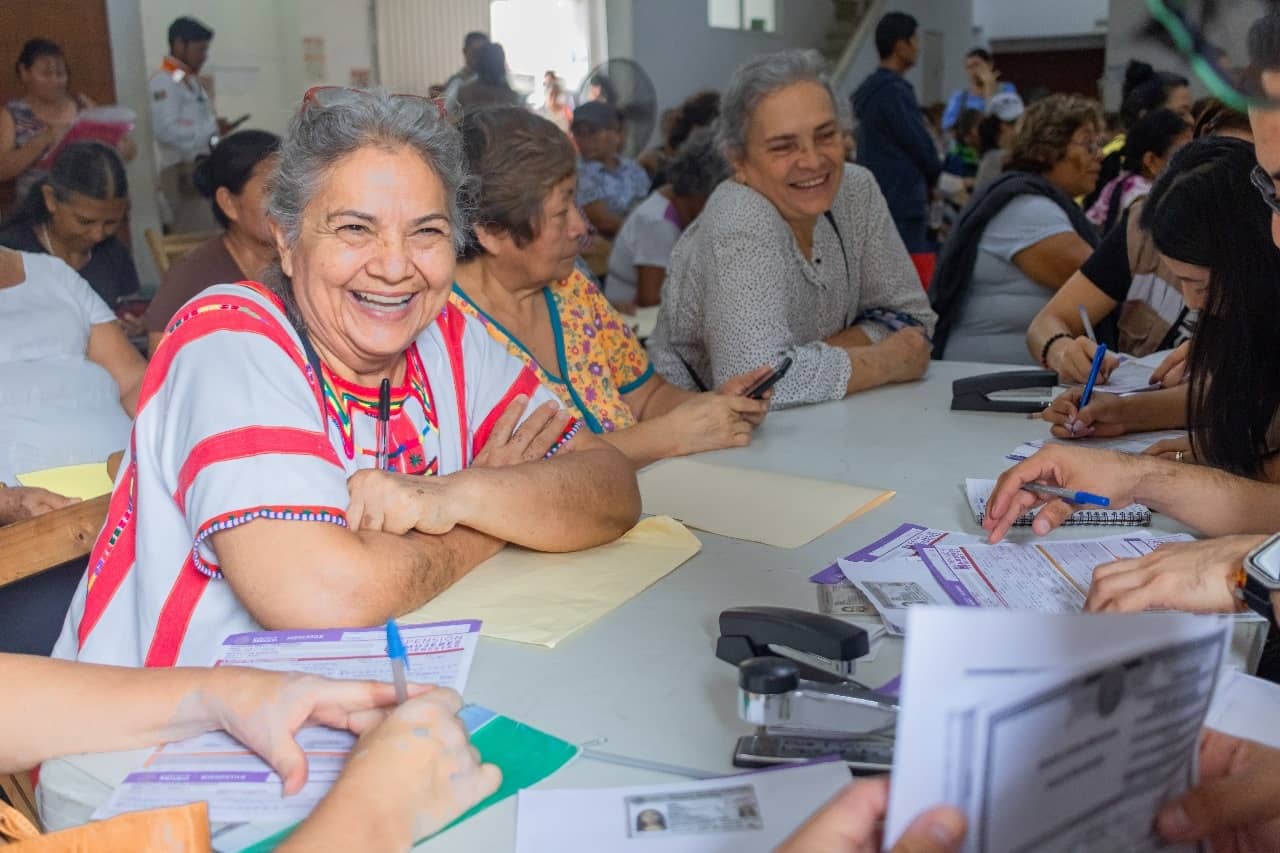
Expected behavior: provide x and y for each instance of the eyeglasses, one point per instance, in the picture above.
(1266, 187)
(331, 96)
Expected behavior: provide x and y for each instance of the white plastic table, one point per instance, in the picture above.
(645, 677)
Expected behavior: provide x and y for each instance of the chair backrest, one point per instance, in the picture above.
(167, 248)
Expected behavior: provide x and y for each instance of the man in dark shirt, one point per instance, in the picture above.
(892, 140)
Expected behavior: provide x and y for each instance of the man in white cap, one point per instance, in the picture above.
(995, 134)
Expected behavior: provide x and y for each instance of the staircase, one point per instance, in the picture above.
(849, 16)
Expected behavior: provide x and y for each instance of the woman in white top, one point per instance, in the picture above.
(795, 257)
(68, 376)
(642, 249)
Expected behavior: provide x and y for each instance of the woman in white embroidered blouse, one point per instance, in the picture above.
(266, 407)
(795, 257)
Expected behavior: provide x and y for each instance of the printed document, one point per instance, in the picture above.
(1053, 733)
(239, 786)
(1134, 444)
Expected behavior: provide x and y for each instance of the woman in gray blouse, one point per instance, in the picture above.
(796, 256)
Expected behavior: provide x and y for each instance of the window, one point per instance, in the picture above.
(756, 15)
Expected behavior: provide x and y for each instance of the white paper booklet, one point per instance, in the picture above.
(239, 786)
(1246, 707)
(978, 493)
(1053, 733)
(732, 814)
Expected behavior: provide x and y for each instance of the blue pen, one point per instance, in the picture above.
(399, 660)
(1098, 356)
(1070, 495)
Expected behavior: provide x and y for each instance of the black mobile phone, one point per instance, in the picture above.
(757, 391)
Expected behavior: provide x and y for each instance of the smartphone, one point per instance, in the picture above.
(756, 391)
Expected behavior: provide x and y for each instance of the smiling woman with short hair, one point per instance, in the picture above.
(795, 257)
(338, 446)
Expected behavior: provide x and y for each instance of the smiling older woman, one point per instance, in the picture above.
(518, 277)
(795, 257)
(261, 408)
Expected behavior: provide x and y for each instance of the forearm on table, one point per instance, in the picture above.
(1213, 502)
(53, 707)
(1156, 410)
(656, 398)
(868, 368)
(576, 500)
(299, 578)
(646, 442)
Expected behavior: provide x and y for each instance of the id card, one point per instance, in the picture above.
(731, 809)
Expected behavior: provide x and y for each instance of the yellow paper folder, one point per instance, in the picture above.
(74, 481)
(537, 598)
(758, 506)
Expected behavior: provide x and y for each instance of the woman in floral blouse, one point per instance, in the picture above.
(518, 276)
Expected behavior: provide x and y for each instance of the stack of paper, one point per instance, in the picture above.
(731, 814)
(1133, 375)
(758, 506)
(1052, 732)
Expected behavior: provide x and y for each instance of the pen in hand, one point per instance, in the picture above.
(1088, 326)
(399, 661)
(1099, 354)
(1070, 495)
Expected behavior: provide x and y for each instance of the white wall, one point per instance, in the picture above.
(953, 19)
(256, 58)
(1228, 32)
(124, 22)
(683, 54)
(1017, 19)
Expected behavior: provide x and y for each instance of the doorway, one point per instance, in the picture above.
(545, 35)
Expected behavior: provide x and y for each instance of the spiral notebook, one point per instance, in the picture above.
(1133, 515)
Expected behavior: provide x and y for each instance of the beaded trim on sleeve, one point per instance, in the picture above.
(278, 513)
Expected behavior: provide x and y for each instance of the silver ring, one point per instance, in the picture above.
(1177, 457)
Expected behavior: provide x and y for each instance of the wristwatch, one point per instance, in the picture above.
(1259, 577)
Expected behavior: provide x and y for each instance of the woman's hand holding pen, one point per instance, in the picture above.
(406, 779)
(1103, 417)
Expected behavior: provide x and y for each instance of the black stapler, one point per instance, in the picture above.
(973, 393)
(796, 685)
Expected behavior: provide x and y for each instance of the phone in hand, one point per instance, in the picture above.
(756, 392)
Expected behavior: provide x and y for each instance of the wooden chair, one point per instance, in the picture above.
(32, 547)
(167, 248)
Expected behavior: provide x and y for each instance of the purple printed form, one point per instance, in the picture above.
(945, 577)
(877, 550)
(439, 652)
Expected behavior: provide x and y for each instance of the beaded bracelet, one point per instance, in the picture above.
(1044, 353)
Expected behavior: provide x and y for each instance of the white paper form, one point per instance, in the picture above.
(1052, 732)
(731, 814)
(239, 786)
(1051, 577)
(1133, 375)
(439, 652)
(1135, 444)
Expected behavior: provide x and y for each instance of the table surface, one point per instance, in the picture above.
(645, 677)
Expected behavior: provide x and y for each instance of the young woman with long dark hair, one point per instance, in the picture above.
(1213, 233)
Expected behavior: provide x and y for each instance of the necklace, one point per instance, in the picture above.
(47, 243)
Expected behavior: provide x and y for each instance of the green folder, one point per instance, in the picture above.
(524, 754)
